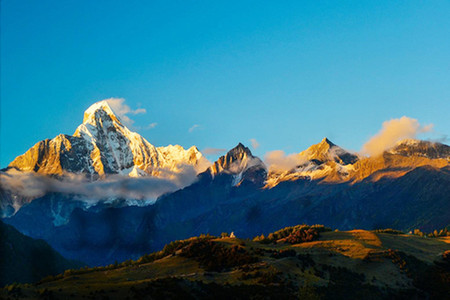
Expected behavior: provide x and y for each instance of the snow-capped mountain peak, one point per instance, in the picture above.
(322, 160)
(100, 117)
(96, 110)
(240, 163)
(235, 161)
(327, 151)
(103, 145)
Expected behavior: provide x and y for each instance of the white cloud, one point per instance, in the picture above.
(195, 126)
(393, 131)
(122, 110)
(138, 111)
(151, 125)
(255, 143)
(278, 161)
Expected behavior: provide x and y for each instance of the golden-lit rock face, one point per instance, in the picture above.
(327, 151)
(102, 145)
(49, 156)
(330, 163)
(392, 165)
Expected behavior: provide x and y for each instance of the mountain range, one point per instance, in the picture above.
(406, 187)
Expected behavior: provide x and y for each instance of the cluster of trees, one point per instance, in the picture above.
(214, 256)
(302, 236)
(446, 255)
(397, 258)
(293, 234)
(418, 232)
(389, 230)
(435, 233)
(171, 248)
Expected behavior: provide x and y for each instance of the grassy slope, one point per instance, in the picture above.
(358, 262)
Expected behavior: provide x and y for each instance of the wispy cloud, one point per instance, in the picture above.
(443, 138)
(123, 110)
(278, 160)
(194, 127)
(213, 151)
(151, 126)
(255, 144)
(138, 111)
(393, 131)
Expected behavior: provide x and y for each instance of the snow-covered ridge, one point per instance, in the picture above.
(413, 147)
(240, 163)
(330, 163)
(103, 145)
(327, 151)
(237, 160)
(321, 160)
(89, 114)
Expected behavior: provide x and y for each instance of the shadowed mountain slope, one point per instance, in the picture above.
(23, 259)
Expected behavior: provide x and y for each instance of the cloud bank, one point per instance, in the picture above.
(31, 184)
(391, 132)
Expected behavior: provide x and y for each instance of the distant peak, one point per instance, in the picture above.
(413, 147)
(240, 148)
(325, 140)
(323, 147)
(193, 149)
(328, 151)
(89, 114)
(236, 161)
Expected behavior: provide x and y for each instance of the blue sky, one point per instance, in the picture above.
(284, 74)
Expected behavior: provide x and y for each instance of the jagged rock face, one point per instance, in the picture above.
(407, 155)
(326, 151)
(241, 164)
(328, 162)
(102, 145)
(63, 153)
(324, 160)
(421, 148)
(235, 161)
